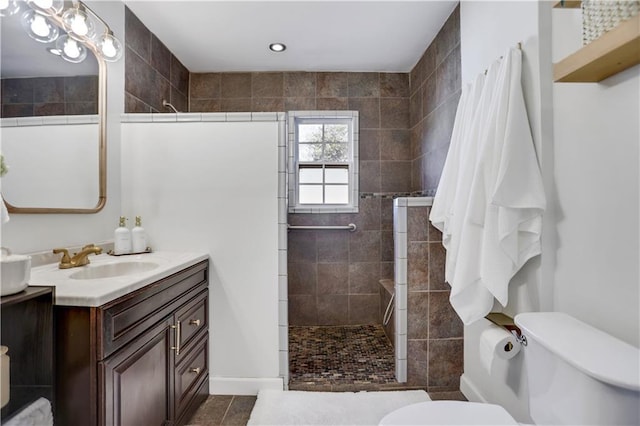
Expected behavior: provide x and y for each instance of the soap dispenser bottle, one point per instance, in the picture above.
(138, 237)
(122, 238)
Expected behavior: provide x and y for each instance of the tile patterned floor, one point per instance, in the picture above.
(337, 358)
(340, 358)
(225, 410)
(231, 410)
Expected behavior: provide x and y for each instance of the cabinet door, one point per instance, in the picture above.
(137, 382)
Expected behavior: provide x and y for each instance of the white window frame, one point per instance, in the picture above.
(322, 117)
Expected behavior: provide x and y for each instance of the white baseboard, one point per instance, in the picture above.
(469, 390)
(242, 386)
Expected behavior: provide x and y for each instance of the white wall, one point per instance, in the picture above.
(27, 233)
(586, 136)
(596, 151)
(213, 187)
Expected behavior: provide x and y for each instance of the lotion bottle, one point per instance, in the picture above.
(122, 238)
(138, 237)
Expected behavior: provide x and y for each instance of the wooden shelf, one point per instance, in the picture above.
(569, 4)
(615, 51)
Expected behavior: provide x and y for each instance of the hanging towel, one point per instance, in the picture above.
(469, 297)
(442, 207)
(512, 183)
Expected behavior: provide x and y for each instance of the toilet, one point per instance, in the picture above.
(577, 375)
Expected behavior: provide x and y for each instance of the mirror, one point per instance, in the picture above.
(53, 128)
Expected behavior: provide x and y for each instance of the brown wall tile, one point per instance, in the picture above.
(364, 309)
(418, 223)
(437, 256)
(364, 85)
(299, 85)
(395, 145)
(299, 104)
(418, 315)
(333, 309)
(418, 266)
(303, 310)
(417, 357)
(236, 85)
(333, 278)
(332, 85)
(394, 113)
(333, 246)
(267, 84)
(395, 176)
(160, 57)
(394, 85)
(364, 246)
(205, 85)
(445, 363)
(444, 323)
(364, 277)
(303, 278)
(369, 144)
(323, 104)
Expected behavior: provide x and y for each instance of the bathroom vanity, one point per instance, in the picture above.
(131, 349)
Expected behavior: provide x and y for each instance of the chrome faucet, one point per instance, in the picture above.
(79, 259)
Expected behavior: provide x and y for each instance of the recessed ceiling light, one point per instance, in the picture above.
(277, 47)
(54, 51)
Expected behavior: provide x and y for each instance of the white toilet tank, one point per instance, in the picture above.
(577, 374)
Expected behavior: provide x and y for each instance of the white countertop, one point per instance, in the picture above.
(98, 291)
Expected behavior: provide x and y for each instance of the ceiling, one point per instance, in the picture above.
(321, 35)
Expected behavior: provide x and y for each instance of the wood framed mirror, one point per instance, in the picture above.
(52, 127)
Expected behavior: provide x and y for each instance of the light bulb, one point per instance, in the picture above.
(78, 23)
(38, 27)
(110, 47)
(71, 50)
(9, 7)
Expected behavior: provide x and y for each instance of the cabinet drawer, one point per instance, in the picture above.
(193, 317)
(191, 372)
(127, 317)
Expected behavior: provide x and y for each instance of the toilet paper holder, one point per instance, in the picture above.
(505, 321)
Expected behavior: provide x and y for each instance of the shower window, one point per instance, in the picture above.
(323, 161)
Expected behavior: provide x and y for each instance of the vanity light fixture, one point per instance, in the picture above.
(44, 19)
(277, 47)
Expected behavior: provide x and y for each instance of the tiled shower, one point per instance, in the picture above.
(405, 126)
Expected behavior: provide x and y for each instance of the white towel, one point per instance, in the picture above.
(468, 296)
(502, 226)
(514, 187)
(38, 413)
(442, 207)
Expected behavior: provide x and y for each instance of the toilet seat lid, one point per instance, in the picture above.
(449, 413)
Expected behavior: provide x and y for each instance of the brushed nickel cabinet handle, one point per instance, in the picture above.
(176, 329)
(195, 370)
(195, 322)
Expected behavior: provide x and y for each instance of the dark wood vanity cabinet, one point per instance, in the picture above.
(141, 359)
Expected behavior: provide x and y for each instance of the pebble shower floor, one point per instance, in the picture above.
(327, 358)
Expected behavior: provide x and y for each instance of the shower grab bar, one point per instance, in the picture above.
(388, 311)
(351, 227)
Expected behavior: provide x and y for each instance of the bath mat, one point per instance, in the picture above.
(275, 407)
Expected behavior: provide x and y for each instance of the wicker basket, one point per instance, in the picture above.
(600, 16)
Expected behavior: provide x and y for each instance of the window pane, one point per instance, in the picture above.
(311, 175)
(336, 194)
(310, 132)
(336, 133)
(336, 175)
(310, 194)
(336, 152)
(310, 152)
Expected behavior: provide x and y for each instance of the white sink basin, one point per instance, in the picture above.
(109, 270)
